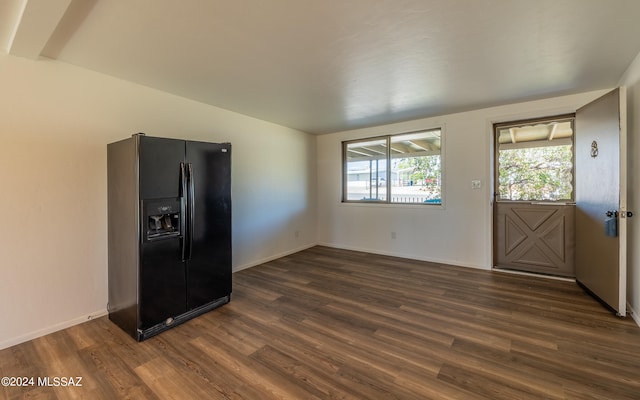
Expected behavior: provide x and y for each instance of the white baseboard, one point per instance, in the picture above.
(274, 257)
(50, 329)
(402, 255)
(634, 314)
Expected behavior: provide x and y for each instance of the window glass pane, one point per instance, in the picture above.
(539, 173)
(416, 171)
(535, 162)
(366, 170)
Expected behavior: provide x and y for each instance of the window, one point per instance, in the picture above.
(535, 160)
(404, 168)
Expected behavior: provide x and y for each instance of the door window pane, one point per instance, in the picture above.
(535, 161)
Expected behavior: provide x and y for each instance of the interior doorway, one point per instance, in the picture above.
(534, 196)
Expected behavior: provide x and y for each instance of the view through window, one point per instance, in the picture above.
(404, 168)
(535, 160)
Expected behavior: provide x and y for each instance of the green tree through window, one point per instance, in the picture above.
(539, 173)
(535, 160)
(424, 172)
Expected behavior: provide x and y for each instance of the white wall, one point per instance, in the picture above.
(631, 79)
(55, 123)
(458, 233)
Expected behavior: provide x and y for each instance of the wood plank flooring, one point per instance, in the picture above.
(327, 323)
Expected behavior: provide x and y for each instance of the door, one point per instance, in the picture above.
(535, 237)
(534, 211)
(601, 214)
(209, 267)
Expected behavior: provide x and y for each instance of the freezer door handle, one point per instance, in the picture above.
(192, 209)
(183, 209)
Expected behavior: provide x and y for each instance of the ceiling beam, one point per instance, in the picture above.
(400, 148)
(426, 144)
(512, 132)
(552, 131)
(373, 150)
(36, 23)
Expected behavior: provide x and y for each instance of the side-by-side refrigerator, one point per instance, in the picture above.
(169, 231)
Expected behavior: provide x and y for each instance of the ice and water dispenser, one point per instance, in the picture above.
(162, 218)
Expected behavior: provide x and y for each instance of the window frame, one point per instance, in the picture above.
(525, 122)
(388, 173)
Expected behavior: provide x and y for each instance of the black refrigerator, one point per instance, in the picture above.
(169, 233)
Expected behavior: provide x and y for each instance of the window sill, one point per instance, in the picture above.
(413, 206)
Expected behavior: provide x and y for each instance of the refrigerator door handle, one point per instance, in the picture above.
(183, 209)
(192, 208)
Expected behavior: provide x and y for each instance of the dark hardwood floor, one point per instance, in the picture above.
(327, 323)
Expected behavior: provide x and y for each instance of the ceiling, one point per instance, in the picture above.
(331, 65)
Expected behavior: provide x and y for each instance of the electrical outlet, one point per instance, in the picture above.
(476, 184)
